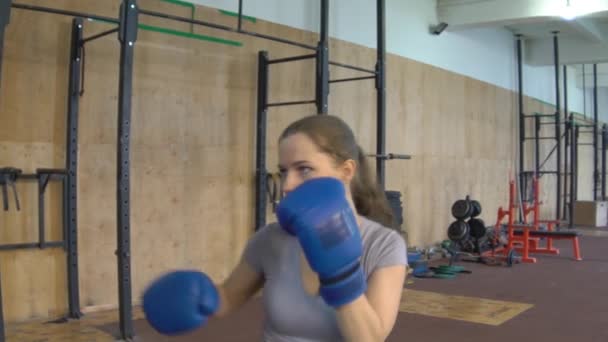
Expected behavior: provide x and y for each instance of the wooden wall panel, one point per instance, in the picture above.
(192, 152)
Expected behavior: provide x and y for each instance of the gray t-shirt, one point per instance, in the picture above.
(292, 315)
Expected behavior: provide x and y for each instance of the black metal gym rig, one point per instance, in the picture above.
(566, 178)
(127, 28)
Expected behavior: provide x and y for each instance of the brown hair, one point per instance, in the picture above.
(333, 137)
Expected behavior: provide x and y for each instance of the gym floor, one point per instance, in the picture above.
(557, 299)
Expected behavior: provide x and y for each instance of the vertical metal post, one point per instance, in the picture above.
(522, 123)
(42, 181)
(573, 170)
(381, 91)
(260, 143)
(240, 22)
(558, 134)
(5, 11)
(595, 134)
(576, 143)
(127, 37)
(2, 334)
(537, 126)
(584, 94)
(604, 145)
(71, 183)
(322, 61)
(567, 138)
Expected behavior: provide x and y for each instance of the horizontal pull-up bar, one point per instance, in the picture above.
(353, 79)
(31, 245)
(236, 14)
(99, 35)
(223, 27)
(185, 34)
(390, 156)
(188, 35)
(180, 3)
(538, 115)
(290, 59)
(541, 138)
(64, 12)
(277, 104)
(352, 67)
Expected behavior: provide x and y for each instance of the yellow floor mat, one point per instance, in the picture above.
(470, 309)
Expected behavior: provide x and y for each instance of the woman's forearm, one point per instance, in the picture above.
(225, 308)
(359, 322)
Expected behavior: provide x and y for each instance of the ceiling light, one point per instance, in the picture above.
(578, 8)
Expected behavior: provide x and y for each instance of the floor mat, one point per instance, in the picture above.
(470, 309)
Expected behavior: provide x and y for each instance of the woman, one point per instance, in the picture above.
(316, 146)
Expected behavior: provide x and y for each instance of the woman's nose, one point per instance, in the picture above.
(290, 182)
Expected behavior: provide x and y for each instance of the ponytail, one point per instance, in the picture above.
(333, 136)
(369, 198)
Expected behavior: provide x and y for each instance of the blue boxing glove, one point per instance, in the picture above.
(318, 213)
(180, 302)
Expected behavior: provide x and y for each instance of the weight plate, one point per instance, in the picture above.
(477, 228)
(458, 230)
(476, 208)
(461, 209)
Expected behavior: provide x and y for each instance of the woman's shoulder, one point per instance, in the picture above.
(383, 246)
(268, 233)
(373, 230)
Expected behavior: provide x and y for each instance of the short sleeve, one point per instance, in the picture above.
(256, 248)
(382, 246)
(391, 250)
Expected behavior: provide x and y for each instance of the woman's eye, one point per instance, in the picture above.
(305, 170)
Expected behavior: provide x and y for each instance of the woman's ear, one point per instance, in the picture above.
(349, 170)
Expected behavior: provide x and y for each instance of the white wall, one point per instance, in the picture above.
(484, 54)
(602, 103)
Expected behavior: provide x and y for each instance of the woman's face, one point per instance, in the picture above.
(300, 160)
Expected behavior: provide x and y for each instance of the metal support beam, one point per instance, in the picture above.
(260, 141)
(573, 170)
(322, 61)
(292, 59)
(2, 333)
(566, 142)
(290, 103)
(240, 16)
(99, 35)
(352, 67)
(520, 102)
(381, 91)
(5, 13)
(558, 134)
(353, 79)
(223, 27)
(536, 145)
(596, 177)
(64, 12)
(604, 146)
(127, 37)
(71, 183)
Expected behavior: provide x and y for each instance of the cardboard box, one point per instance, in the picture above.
(591, 213)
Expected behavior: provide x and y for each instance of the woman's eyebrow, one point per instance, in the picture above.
(296, 163)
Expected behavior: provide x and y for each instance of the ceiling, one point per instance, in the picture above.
(582, 39)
